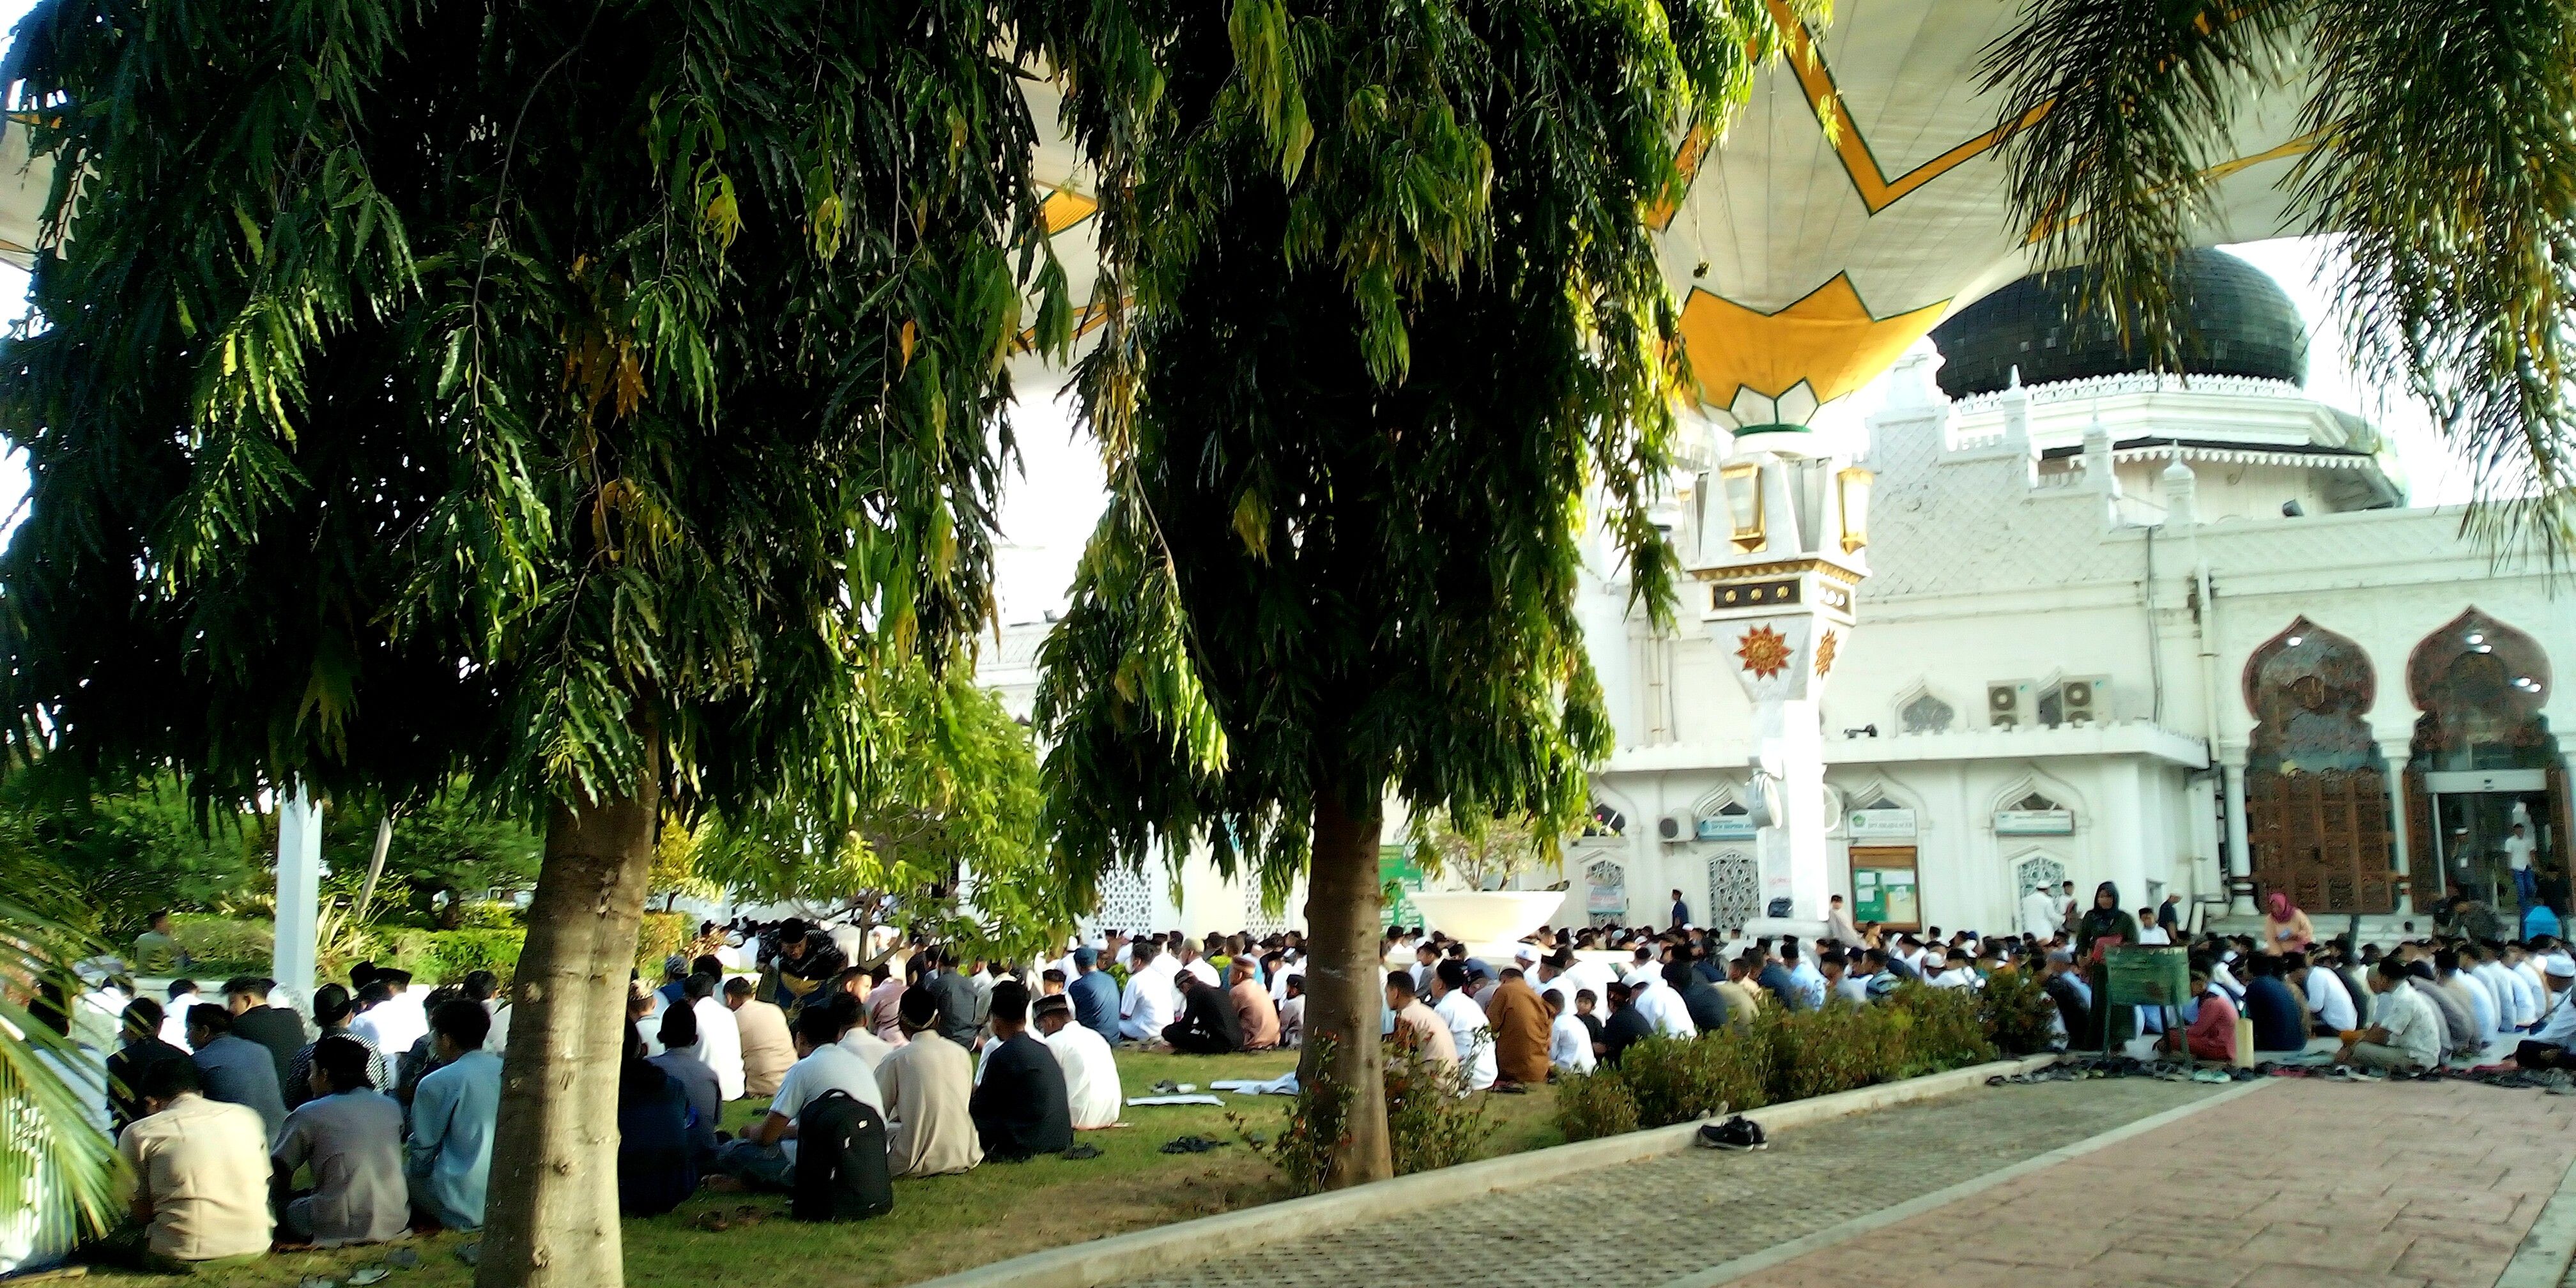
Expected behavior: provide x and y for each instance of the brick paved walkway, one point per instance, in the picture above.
(1646, 1223)
(2297, 1183)
(2403, 1185)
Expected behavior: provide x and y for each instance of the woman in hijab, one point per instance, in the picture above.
(2106, 925)
(2285, 928)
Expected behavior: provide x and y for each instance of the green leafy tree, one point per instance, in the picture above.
(950, 849)
(2442, 155)
(1385, 314)
(447, 845)
(146, 848)
(578, 400)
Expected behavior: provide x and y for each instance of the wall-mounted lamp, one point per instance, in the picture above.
(1852, 486)
(1743, 487)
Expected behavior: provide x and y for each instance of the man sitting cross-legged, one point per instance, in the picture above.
(1091, 1090)
(764, 1156)
(2405, 1032)
(1019, 1107)
(929, 1085)
(1208, 1024)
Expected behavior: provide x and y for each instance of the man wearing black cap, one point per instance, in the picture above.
(274, 1027)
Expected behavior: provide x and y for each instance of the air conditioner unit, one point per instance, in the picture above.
(2084, 699)
(1676, 827)
(2004, 705)
(2075, 701)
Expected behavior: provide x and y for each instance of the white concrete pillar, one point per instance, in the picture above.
(1789, 741)
(2240, 858)
(299, 896)
(2396, 751)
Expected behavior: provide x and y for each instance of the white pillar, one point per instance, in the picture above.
(1790, 744)
(2240, 858)
(299, 895)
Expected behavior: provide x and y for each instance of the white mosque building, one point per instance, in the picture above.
(2160, 632)
(2181, 634)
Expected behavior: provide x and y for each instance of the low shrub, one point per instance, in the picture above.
(1675, 1080)
(1782, 1055)
(661, 935)
(489, 914)
(1314, 1130)
(1949, 1029)
(223, 945)
(1592, 1105)
(1842, 1046)
(448, 956)
(2018, 1013)
(1430, 1120)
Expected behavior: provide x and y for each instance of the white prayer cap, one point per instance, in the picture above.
(1528, 953)
(2561, 966)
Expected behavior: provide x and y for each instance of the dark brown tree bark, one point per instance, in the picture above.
(550, 1219)
(1346, 985)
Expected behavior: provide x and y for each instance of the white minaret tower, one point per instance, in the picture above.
(1782, 527)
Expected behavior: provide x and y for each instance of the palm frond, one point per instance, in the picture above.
(58, 1174)
(2112, 110)
(2450, 173)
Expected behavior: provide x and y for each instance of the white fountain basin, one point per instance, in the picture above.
(1488, 920)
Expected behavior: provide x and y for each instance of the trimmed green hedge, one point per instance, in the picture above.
(1782, 1055)
(448, 956)
(221, 946)
(225, 946)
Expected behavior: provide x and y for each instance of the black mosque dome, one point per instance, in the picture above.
(2236, 322)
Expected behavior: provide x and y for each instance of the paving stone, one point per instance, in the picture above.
(1653, 1221)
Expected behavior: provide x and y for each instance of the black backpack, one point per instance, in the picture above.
(841, 1170)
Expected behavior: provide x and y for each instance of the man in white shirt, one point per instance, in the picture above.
(719, 1035)
(397, 1022)
(764, 1156)
(2039, 913)
(1569, 1043)
(2328, 1000)
(1466, 1020)
(860, 1040)
(174, 1017)
(1658, 1005)
(1803, 973)
(1148, 1003)
(1091, 1089)
(2517, 859)
(2407, 1033)
(1189, 960)
(2515, 1008)
(2548, 1048)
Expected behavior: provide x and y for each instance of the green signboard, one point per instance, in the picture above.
(1884, 895)
(1398, 877)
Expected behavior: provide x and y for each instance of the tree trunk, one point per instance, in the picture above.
(1346, 986)
(551, 1217)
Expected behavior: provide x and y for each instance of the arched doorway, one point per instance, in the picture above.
(2482, 761)
(2316, 785)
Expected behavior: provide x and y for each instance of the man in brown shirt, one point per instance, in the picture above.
(1520, 1022)
(1419, 1026)
(1252, 1008)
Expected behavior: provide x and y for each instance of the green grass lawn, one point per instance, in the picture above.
(944, 1224)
